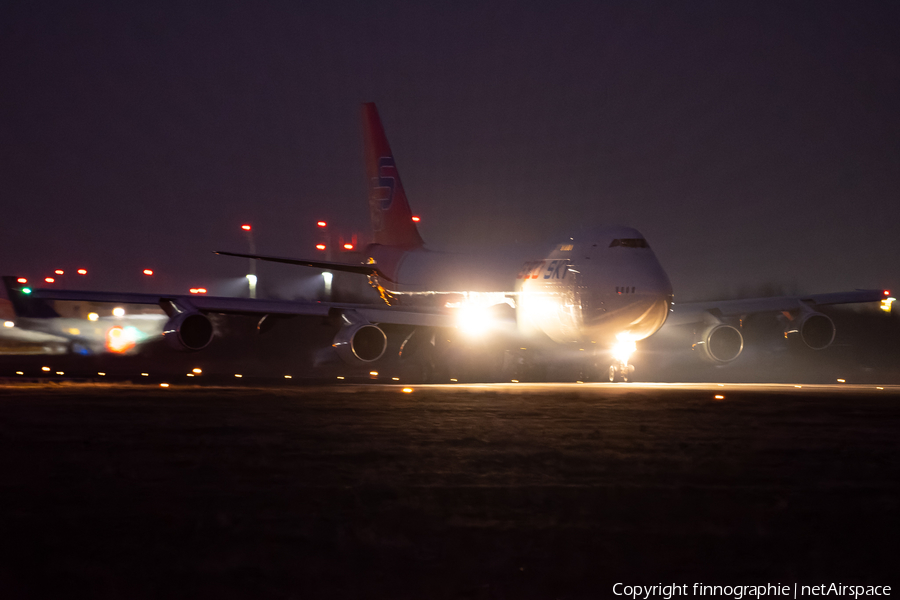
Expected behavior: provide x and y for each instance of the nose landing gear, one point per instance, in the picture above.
(620, 372)
(622, 351)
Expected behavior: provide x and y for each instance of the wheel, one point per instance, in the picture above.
(613, 372)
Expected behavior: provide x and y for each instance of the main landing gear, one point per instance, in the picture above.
(620, 372)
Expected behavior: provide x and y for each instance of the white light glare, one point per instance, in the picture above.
(8, 324)
(118, 311)
(473, 320)
(886, 304)
(624, 347)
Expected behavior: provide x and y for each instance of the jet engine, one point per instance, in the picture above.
(360, 342)
(720, 343)
(188, 331)
(813, 329)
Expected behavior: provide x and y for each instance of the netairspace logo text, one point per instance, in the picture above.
(667, 592)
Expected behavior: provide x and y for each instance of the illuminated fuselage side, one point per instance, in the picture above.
(591, 288)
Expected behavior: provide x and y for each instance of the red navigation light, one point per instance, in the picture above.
(348, 246)
(322, 224)
(245, 227)
(49, 279)
(198, 290)
(320, 246)
(82, 271)
(59, 272)
(148, 271)
(21, 280)
(416, 219)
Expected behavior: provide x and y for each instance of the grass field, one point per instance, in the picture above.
(465, 492)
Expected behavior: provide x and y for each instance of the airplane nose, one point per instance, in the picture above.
(638, 309)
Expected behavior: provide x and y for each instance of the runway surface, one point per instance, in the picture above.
(463, 491)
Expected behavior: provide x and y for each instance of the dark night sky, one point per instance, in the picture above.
(752, 143)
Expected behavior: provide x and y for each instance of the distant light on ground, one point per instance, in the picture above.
(145, 374)
(373, 373)
(93, 316)
(842, 381)
(407, 390)
(8, 324)
(118, 311)
(60, 373)
(121, 339)
(101, 373)
(238, 375)
(287, 376)
(45, 368)
(164, 385)
(197, 370)
(719, 397)
(20, 372)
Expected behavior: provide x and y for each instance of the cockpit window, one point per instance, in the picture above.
(630, 243)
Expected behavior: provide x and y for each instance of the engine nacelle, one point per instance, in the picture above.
(360, 342)
(814, 329)
(720, 344)
(188, 331)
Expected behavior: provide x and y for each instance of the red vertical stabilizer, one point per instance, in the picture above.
(392, 223)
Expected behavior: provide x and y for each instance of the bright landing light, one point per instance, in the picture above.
(624, 347)
(473, 320)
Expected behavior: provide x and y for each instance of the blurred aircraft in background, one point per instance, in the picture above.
(82, 327)
(582, 300)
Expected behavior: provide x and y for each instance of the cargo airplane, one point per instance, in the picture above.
(594, 293)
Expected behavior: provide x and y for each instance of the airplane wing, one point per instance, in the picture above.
(177, 304)
(691, 312)
(187, 325)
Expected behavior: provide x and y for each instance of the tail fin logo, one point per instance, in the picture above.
(383, 185)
